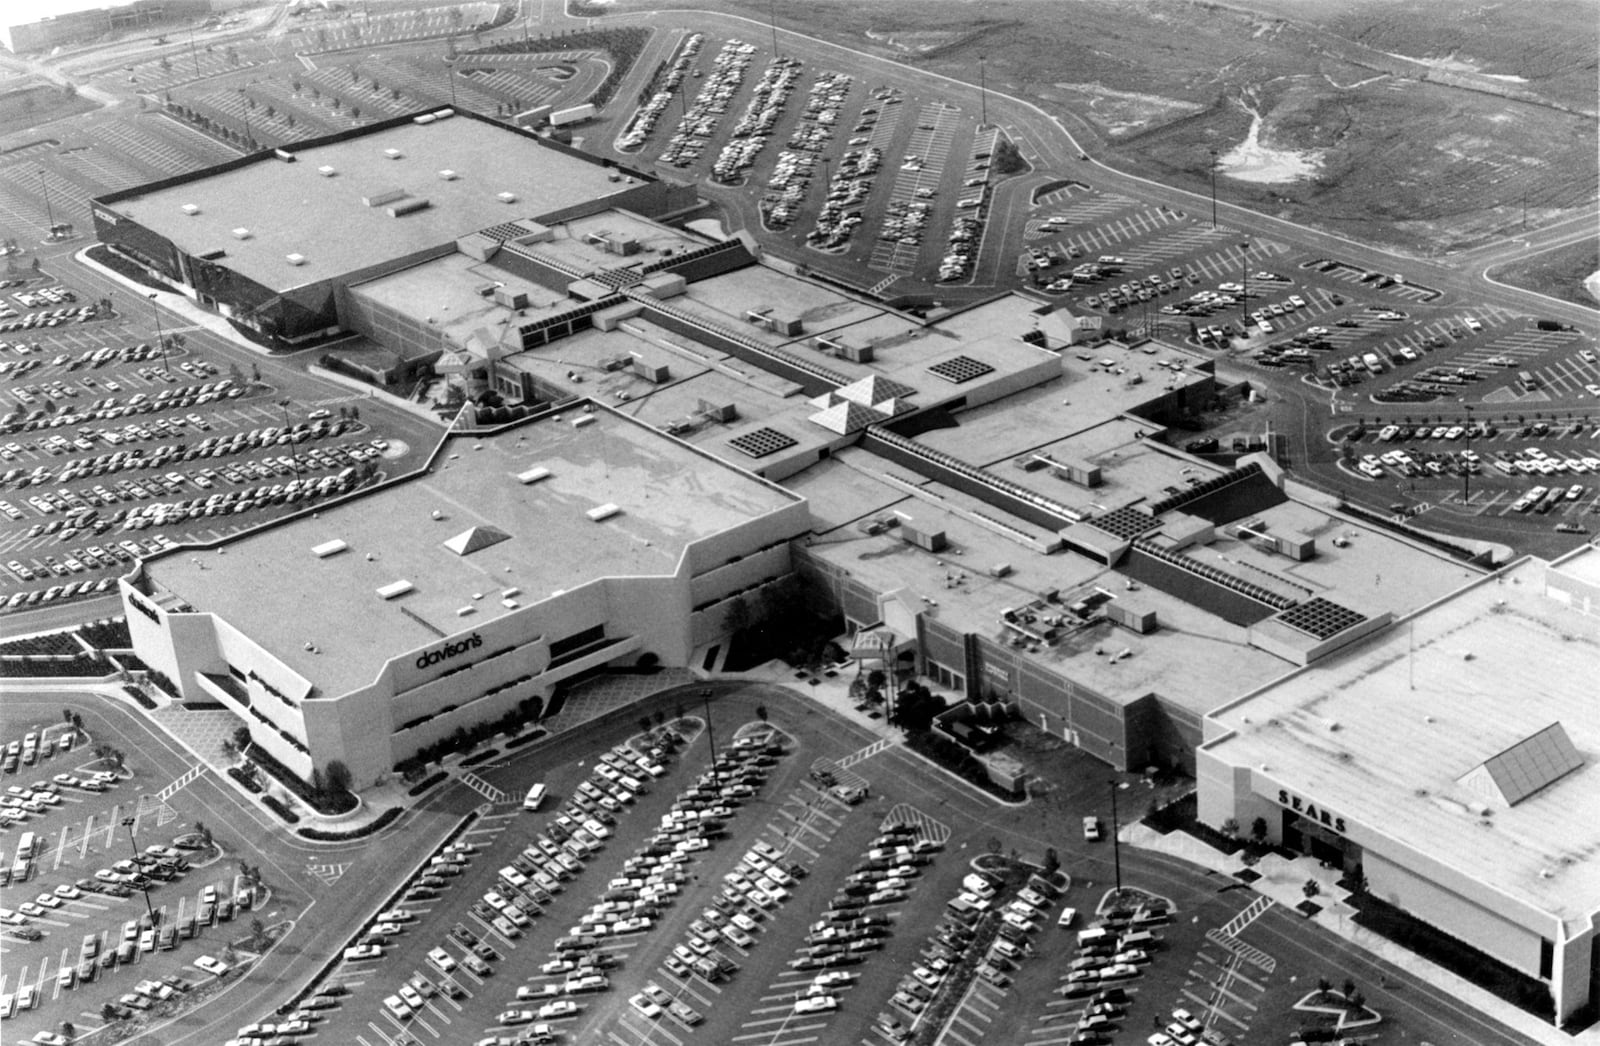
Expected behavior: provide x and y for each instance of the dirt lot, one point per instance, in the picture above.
(1559, 273)
(34, 103)
(1373, 122)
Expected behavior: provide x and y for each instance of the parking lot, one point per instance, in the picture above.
(114, 448)
(113, 904)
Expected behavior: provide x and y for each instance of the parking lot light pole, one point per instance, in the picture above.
(772, 18)
(127, 822)
(711, 735)
(49, 215)
(1244, 284)
(983, 94)
(293, 452)
(1466, 470)
(161, 342)
(1116, 846)
(1213, 188)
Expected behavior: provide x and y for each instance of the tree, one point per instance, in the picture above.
(69, 1031)
(1355, 1002)
(1324, 986)
(1052, 861)
(241, 738)
(644, 723)
(1348, 988)
(338, 776)
(205, 835)
(1230, 827)
(258, 935)
(1258, 829)
(230, 751)
(108, 1012)
(1311, 888)
(761, 712)
(255, 372)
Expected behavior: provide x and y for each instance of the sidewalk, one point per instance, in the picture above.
(172, 301)
(1283, 880)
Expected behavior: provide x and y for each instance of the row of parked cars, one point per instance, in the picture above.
(754, 129)
(648, 115)
(791, 175)
(33, 746)
(700, 122)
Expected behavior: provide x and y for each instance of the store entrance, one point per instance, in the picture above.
(1310, 838)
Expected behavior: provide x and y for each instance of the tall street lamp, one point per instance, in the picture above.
(161, 342)
(294, 454)
(983, 94)
(49, 215)
(1213, 188)
(711, 735)
(1244, 284)
(1116, 846)
(127, 822)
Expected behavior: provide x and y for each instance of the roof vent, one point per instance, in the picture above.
(395, 589)
(191, 209)
(425, 118)
(443, 114)
(329, 548)
(602, 512)
(447, 175)
(326, 171)
(582, 420)
(533, 475)
(393, 154)
(506, 197)
(241, 233)
(295, 259)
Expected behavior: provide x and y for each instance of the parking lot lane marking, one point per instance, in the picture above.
(1217, 1010)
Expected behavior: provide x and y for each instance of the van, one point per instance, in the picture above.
(1137, 939)
(1093, 936)
(535, 797)
(25, 846)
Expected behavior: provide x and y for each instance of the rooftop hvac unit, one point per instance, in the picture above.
(395, 589)
(393, 154)
(326, 171)
(191, 208)
(582, 421)
(425, 118)
(447, 175)
(506, 197)
(405, 207)
(241, 233)
(533, 475)
(383, 196)
(329, 548)
(602, 512)
(443, 114)
(283, 154)
(295, 259)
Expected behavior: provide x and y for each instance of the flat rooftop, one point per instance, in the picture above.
(273, 588)
(292, 208)
(1195, 659)
(1421, 706)
(445, 292)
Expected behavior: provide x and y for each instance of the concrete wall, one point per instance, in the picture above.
(1485, 930)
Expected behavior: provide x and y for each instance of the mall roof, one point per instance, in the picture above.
(1399, 732)
(273, 588)
(323, 206)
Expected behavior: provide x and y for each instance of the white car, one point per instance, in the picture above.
(644, 1007)
(215, 967)
(397, 1007)
(816, 1004)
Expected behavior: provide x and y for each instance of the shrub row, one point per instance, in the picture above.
(245, 779)
(480, 757)
(528, 738)
(426, 783)
(321, 802)
(277, 806)
(465, 739)
(954, 757)
(139, 695)
(378, 824)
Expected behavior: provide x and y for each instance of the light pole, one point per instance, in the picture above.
(1213, 188)
(1116, 846)
(293, 453)
(127, 822)
(772, 17)
(194, 54)
(711, 735)
(1466, 470)
(1244, 285)
(49, 215)
(983, 94)
(161, 342)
